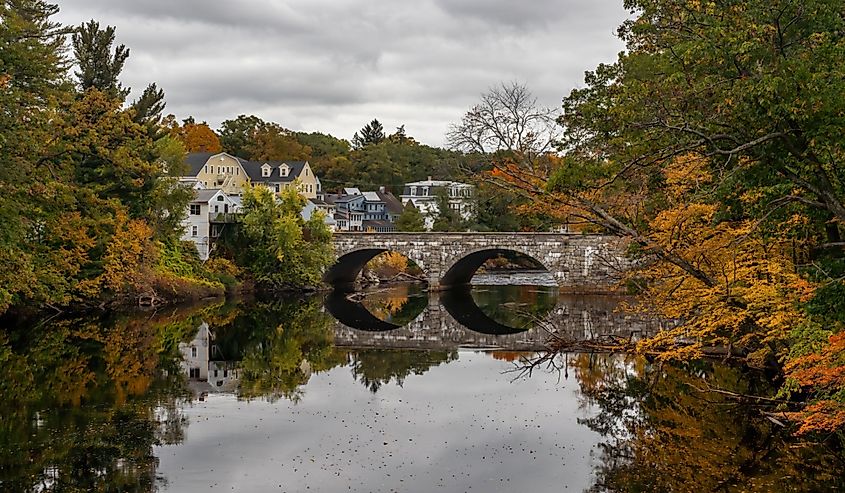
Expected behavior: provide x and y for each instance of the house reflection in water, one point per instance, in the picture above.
(205, 373)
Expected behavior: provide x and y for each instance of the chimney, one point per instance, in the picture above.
(429, 178)
(381, 189)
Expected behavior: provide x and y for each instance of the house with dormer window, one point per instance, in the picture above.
(233, 174)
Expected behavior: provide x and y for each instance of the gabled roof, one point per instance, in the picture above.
(204, 195)
(347, 198)
(196, 160)
(371, 197)
(391, 203)
(253, 170)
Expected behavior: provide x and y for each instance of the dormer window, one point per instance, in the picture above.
(265, 170)
(284, 170)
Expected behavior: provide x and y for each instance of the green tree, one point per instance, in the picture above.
(237, 136)
(148, 110)
(99, 66)
(447, 219)
(371, 133)
(281, 250)
(411, 220)
(32, 81)
(272, 142)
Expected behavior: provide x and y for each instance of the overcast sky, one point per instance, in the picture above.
(333, 65)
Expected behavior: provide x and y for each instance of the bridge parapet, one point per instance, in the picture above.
(579, 262)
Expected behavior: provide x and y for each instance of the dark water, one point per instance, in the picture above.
(405, 393)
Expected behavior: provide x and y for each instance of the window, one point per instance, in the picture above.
(193, 352)
(195, 210)
(206, 168)
(265, 170)
(220, 198)
(216, 209)
(278, 188)
(225, 373)
(194, 373)
(194, 232)
(220, 383)
(215, 373)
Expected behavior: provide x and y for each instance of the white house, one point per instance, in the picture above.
(208, 213)
(423, 194)
(195, 354)
(314, 205)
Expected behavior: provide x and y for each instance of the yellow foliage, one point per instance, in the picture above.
(752, 300)
(129, 252)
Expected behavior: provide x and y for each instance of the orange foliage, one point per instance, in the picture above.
(823, 416)
(198, 137)
(129, 253)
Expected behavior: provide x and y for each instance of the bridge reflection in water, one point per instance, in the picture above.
(453, 318)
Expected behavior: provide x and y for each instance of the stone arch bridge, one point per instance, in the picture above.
(579, 262)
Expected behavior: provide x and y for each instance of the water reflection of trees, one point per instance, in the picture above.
(399, 304)
(289, 342)
(515, 306)
(377, 367)
(84, 401)
(662, 434)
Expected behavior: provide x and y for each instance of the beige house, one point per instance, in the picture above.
(233, 174)
(220, 171)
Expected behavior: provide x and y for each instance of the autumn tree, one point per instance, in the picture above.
(272, 142)
(99, 64)
(84, 181)
(198, 137)
(708, 146)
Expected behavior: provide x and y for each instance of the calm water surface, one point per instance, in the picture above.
(398, 391)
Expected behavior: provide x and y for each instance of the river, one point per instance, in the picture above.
(398, 390)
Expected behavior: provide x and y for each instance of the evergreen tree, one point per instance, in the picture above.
(149, 106)
(411, 220)
(32, 76)
(99, 66)
(148, 109)
(372, 133)
(447, 219)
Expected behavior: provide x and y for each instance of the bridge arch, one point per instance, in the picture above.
(346, 268)
(450, 307)
(461, 271)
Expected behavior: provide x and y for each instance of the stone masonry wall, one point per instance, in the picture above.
(579, 262)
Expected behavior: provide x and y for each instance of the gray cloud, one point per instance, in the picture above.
(331, 65)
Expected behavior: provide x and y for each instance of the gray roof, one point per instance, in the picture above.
(205, 194)
(377, 223)
(196, 160)
(253, 170)
(391, 203)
